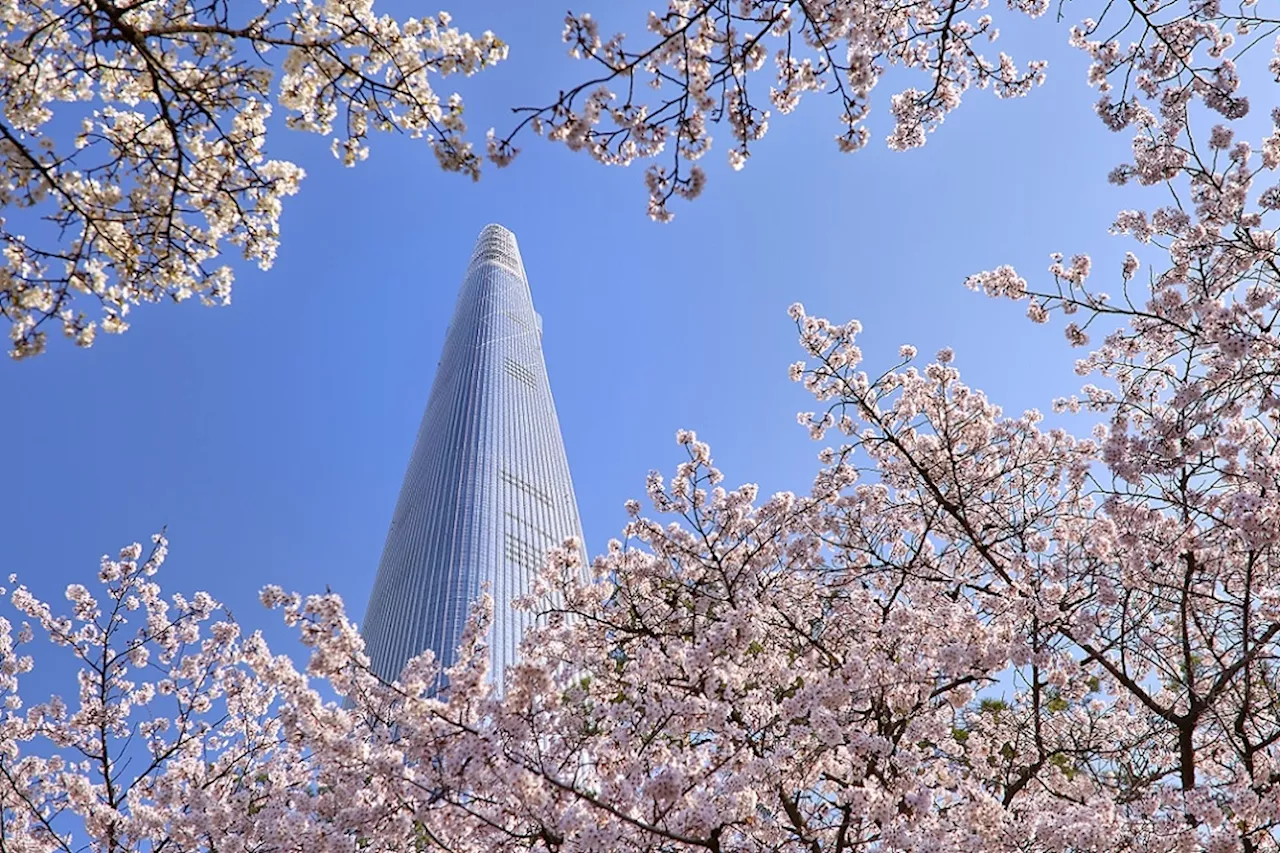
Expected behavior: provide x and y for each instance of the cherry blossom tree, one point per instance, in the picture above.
(700, 61)
(964, 638)
(138, 132)
(184, 733)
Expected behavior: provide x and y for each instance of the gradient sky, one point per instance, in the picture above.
(271, 437)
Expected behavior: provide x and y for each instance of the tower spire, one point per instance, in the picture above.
(487, 490)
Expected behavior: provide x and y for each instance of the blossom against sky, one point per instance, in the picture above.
(271, 436)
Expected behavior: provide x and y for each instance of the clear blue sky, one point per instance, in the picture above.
(271, 436)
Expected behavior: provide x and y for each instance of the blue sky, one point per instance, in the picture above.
(271, 436)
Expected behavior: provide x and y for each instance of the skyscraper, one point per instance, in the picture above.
(488, 490)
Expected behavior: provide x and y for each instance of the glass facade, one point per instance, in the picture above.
(488, 489)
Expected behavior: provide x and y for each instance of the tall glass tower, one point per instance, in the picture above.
(488, 488)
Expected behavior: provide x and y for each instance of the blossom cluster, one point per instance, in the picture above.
(168, 164)
(699, 59)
